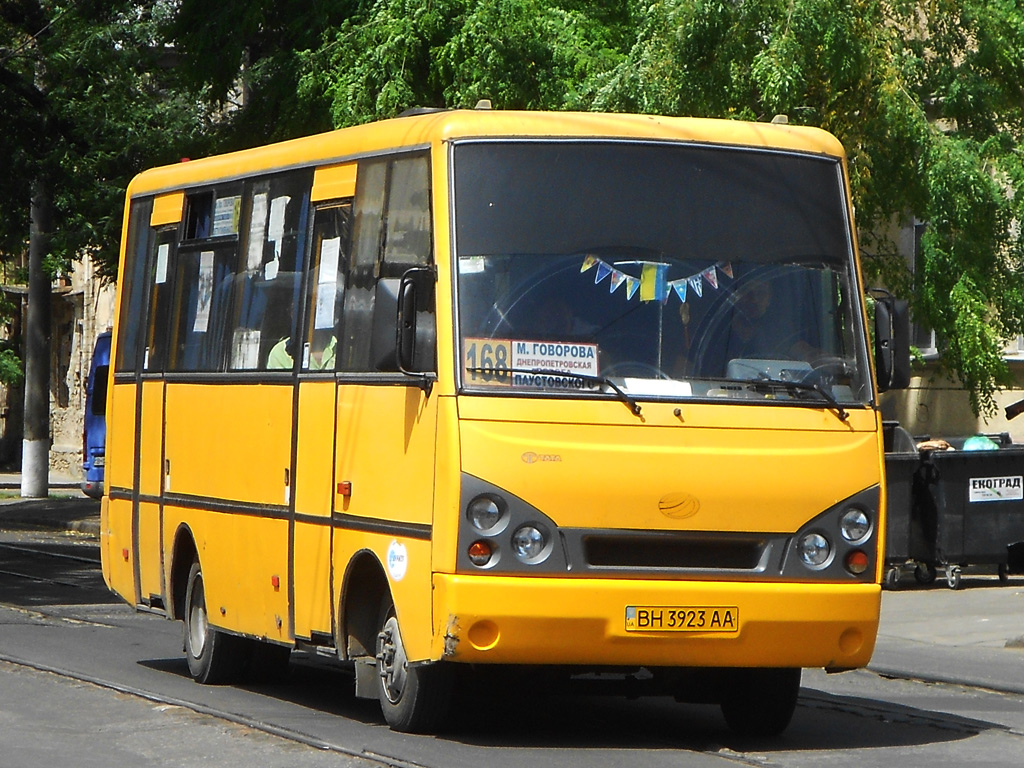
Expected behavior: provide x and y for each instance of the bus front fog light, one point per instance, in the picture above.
(815, 550)
(531, 543)
(480, 553)
(857, 562)
(855, 525)
(486, 513)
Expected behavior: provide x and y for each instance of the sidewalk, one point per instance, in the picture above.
(970, 636)
(67, 508)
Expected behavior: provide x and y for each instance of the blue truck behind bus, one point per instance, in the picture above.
(94, 431)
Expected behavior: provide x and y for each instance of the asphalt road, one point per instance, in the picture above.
(84, 678)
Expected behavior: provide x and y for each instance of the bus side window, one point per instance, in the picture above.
(331, 245)
(203, 278)
(367, 227)
(391, 234)
(160, 295)
(134, 290)
(267, 287)
(408, 244)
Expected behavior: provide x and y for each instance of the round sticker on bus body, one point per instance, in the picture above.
(398, 560)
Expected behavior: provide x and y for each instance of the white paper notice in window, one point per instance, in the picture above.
(245, 349)
(327, 283)
(205, 293)
(163, 252)
(225, 215)
(278, 208)
(257, 231)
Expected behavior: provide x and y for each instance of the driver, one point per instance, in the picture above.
(750, 333)
(554, 320)
(759, 324)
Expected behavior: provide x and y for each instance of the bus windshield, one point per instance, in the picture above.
(658, 270)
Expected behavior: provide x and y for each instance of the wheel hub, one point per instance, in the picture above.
(392, 662)
(198, 627)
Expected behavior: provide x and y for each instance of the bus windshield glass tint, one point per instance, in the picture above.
(669, 270)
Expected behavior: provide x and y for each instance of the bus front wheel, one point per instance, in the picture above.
(760, 702)
(214, 657)
(413, 698)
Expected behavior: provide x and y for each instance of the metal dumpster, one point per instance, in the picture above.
(905, 541)
(972, 508)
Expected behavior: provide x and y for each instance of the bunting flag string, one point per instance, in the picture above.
(653, 284)
(697, 284)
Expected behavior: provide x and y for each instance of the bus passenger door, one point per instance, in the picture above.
(149, 471)
(387, 420)
(315, 422)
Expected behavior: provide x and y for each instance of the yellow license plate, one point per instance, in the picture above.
(663, 618)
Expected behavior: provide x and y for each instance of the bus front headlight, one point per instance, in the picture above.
(487, 513)
(815, 550)
(855, 525)
(531, 543)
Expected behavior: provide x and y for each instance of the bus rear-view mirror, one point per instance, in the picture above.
(892, 343)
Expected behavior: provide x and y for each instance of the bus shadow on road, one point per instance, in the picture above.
(544, 719)
(833, 723)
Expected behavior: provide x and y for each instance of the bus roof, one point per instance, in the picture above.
(424, 130)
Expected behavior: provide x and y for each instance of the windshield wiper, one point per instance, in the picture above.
(806, 386)
(624, 396)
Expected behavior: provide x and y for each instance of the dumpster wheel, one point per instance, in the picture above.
(953, 576)
(924, 573)
(892, 577)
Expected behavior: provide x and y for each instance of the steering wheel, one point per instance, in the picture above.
(826, 368)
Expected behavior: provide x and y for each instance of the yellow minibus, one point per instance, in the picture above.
(472, 389)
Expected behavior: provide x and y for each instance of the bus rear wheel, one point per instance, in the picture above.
(761, 702)
(214, 657)
(413, 698)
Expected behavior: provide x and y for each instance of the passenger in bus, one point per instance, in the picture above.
(281, 356)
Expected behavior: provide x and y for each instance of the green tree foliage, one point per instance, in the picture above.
(246, 57)
(86, 105)
(926, 95)
(521, 54)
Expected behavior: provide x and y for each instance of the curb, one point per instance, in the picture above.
(83, 526)
(73, 513)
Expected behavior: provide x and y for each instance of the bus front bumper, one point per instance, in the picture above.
(575, 621)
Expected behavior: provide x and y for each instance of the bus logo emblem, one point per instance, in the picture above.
(536, 458)
(398, 560)
(679, 506)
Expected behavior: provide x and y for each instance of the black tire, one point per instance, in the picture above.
(1003, 571)
(414, 699)
(760, 702)
(925, 573)
(214, 657)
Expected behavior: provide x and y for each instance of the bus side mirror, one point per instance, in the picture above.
(406, 341)
(415, 340)
(892, 343)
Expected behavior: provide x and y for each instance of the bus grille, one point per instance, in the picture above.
(672, 551)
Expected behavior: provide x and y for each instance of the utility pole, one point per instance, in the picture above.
(35, 454)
